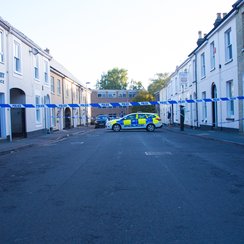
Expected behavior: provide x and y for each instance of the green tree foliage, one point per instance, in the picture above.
(143, 96)
(115, 79)
(158, 83)
(135, 85)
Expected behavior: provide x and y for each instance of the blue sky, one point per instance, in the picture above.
(90, 37)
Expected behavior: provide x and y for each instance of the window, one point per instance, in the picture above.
(242, 27)
(132, 94)
(142, 116)
(45, 71)
(77, 93)
(194, 71)
(59, 87)
(203, 67)
(229, 94)
(38, 110)
(204, 107)
(52, 85)
(228, 46)
(111, 94)
(101, 94)
(1, 46)
(122, 94)
(66, 89)
(36, 67)
(212, 55)
(17, 57)
(130, 117)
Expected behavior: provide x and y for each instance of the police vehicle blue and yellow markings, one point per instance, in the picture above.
(148, 121)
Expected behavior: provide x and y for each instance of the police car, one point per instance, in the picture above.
(148, 121)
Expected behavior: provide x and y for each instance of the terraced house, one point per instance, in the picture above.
(214, 69)
(66, 89)
(25, 79)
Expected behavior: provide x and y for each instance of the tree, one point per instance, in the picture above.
(135, 85)
(158, 83)
(115, 79)
(143, 96)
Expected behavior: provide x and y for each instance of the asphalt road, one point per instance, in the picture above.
(126, 187)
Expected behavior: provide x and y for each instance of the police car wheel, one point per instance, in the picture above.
(116, 127)
(150, 127)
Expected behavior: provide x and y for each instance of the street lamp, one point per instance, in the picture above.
(86, 111)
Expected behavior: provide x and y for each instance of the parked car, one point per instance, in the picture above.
(101, 121)
(148, 121)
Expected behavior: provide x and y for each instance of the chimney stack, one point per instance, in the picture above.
(218, 20)
(200, 38)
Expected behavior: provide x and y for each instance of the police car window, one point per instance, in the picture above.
(132, 116)
(142, 116)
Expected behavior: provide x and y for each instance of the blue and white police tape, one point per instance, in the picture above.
(121, 104)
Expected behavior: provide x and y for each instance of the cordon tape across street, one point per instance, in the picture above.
(122, 104)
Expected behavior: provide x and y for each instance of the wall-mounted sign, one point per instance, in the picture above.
(2, 78)
(183, 77)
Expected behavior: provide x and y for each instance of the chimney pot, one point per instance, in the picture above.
(199, 34)
(47, 50)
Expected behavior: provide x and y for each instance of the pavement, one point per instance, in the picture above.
(7, 147)
(233, 137)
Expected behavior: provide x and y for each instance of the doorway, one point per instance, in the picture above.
(18, 117)
(67, 118)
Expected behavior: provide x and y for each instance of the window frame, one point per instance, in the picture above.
(46, 71)
(204, 107)
(203, 65)
(230, 94)
(194, 70)
(67, 89)
(242, 31)
(228, 46)
(38, 110)
(58, 86)
(17, 57)
(212, 56)
(1, 47)
(52, 85)
(36, 67)
(101, 94)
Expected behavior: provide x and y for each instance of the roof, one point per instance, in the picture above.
(63, 71)
(235, 6)
(23, 37)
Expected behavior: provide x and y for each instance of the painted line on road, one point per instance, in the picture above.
(77, 143)
(158, 153)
